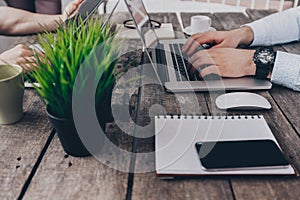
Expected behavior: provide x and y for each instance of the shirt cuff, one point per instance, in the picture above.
(286, 71)
(277, 28)
(260, 33)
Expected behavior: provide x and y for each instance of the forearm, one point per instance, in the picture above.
(19, 22)
(244, 35)
(277, 28)
(286, 70)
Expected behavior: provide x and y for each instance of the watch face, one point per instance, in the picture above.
(264, 59)
(266, 56)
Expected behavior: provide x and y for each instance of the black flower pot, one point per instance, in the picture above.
(103, 110)
(68, 136)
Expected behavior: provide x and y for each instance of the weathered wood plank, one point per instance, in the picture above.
(186, 20)
(148, 186)
(255, 14)
(266, 187)
(293, 47)
(21, 145)
(169, 18)
(287, 100)
(232, 20)
(60, 176)
(64, 177)
(154, 101)
(287, 106)
(152, 94)
(282, 130)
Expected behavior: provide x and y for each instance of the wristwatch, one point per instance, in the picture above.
(264, 59)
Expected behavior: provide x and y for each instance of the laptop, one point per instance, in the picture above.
(170, 64)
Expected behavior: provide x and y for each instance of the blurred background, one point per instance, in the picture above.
(180, 6)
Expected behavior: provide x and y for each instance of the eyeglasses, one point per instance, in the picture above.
(130, 24)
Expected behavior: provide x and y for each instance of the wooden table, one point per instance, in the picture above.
(33, 164)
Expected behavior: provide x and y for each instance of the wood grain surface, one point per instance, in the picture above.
(21, 145)
(154, 100)
(33, 164)
(90, 178)
(186, 20)
(283, 120)
(64, 177)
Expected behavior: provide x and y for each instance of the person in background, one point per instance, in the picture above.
(19, 22)
(226, 60)
(50, 7)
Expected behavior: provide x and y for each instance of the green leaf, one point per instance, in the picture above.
(65, 51)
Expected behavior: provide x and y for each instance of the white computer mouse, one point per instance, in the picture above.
(242, 101)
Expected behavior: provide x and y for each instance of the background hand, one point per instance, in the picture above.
(226, 62)
(71, 9)
(20, 55)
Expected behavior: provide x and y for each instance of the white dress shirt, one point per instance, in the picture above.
(277, 29)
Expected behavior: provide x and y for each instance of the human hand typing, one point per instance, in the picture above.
(226, 62)
(221, 39)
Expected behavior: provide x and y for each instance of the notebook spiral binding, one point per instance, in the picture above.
(205, 116)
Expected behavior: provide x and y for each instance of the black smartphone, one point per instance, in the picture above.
(240, 154)
(86, 9)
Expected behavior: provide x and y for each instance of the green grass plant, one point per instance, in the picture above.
(64, 53)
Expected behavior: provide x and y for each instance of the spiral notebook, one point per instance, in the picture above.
(176, 136)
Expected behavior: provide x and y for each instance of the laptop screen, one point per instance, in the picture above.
(139, 13)
(143, 26)
(141, 20)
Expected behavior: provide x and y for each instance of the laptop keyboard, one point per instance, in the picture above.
(180, 63)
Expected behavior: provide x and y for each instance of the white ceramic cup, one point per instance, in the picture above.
(200, 23)
(11, 94)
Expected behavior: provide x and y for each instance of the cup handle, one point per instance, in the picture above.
(209, 22)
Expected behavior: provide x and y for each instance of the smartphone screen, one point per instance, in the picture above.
(240, 154)
(86, 9)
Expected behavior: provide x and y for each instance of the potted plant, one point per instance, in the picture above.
(57, 69)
